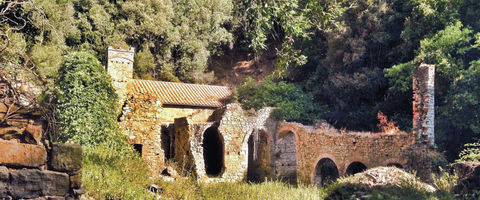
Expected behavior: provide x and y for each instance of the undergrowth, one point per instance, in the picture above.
(112, 174)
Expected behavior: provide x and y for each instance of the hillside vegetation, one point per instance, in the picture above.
(339, 61)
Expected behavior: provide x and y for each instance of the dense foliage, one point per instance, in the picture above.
(86, 100)
(293, 104)
(349, 58)
(86, 106)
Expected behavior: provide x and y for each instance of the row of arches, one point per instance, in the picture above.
(259, 158)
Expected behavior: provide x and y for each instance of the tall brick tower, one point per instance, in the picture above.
(120, 68)
(424, 103)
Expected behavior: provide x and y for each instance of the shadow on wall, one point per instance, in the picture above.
(258, 157)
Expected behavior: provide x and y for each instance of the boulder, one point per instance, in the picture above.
(33, 183)
(66, 157)
(22, 155)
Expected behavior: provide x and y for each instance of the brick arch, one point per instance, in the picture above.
(350, 161)
(320, 157)
(355, 167)
(391, 161)
(284, 130)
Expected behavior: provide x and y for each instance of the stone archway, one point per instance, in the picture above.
(286, 158)
(326, 171)
(213, 152)
(395, 165)
(258, 156)
(355, 167)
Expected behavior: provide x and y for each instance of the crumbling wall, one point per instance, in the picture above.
(343, 148)
(424, 103)
(146, 122)
(140, 123)
(234, 131)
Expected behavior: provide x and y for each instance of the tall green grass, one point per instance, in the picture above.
(112, 174)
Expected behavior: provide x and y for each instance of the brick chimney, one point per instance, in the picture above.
(120, 69)
(424, 103)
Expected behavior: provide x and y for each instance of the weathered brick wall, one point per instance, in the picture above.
(144, 119)
(424, 103)
(313, 144)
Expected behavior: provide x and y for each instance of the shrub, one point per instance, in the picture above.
(86, 107)
(471, 152)
(86, 100)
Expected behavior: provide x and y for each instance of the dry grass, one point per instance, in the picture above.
(190, 189)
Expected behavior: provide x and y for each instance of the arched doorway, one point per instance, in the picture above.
(355, 167)
(395, 165)
(258, 156)
(213, 152)
(286, 158)
(326, 171)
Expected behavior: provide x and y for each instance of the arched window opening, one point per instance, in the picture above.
(355, 167)
(213, 152)
(325, 172)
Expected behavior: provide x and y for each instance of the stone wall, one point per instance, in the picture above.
(120, 69)
(26, 172)
(146, 122)
(233, 130)
(343, 148)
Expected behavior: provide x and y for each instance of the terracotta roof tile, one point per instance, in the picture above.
(171, 93)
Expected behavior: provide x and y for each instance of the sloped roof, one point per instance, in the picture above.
(184, 94)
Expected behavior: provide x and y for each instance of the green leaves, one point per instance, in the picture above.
(86, 101)
(293, 104)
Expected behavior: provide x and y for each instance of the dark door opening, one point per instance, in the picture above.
(166, 142)
(213, 152)
(138, 148)
(325, 172)
(355, 167)
(258, 157)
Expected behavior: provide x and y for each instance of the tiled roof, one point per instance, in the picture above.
(171, 93)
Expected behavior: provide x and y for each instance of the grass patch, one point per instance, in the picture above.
(190, 189)
(112, 174)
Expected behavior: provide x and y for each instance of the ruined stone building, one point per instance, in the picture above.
(187, 126)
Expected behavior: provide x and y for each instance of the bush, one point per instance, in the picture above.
(86, 100)
(86, 105)
(293, 104)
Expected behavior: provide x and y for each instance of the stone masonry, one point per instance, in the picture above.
(186, 128)
(424, 103)
(30, 167)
